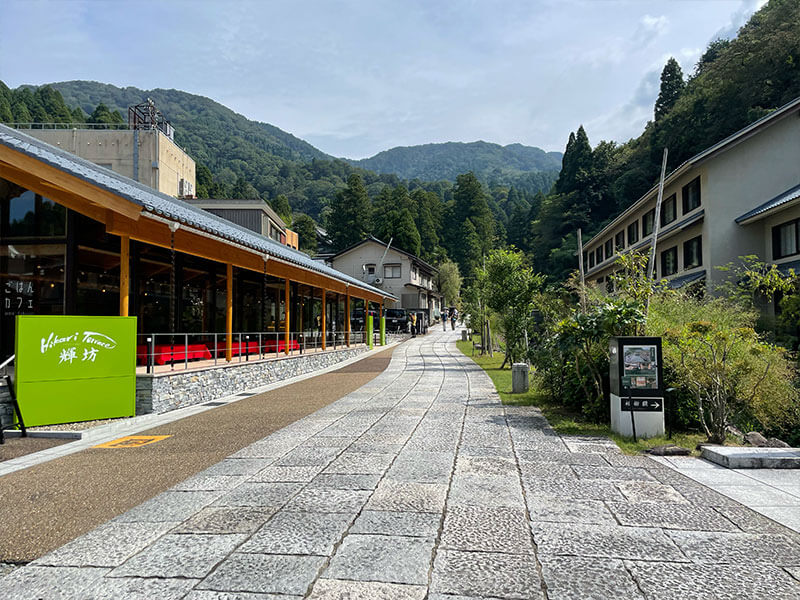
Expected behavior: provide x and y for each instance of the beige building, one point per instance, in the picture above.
(148, 156)
(736, 198)
(255, 214)
(399, 273)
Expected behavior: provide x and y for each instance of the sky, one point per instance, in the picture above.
(354, 77)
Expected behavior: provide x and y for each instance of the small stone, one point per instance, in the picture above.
(756, 439)
(776, 443)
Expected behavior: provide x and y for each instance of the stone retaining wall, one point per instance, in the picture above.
(6, 409)
(168, 391)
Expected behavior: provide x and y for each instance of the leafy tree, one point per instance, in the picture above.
(6, 114)
(393, 219)
(448, 282)
(281, 206)
(426, 208)
(473, 235)
(672, 86)
(243, 190)
(306, 231)
(349, 216)
(20, 112)
(103, 116)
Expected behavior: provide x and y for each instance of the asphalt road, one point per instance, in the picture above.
(45, 506)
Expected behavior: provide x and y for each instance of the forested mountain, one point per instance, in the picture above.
(734, 83)
(491, 163)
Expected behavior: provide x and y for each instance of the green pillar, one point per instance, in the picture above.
(383, 331)
(369, 331)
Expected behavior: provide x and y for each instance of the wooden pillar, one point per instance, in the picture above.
(347, 318)
(324, 316)
(124, 275)
(229, 315)
(287, 313)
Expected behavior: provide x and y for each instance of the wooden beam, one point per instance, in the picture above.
(324, 315)
(71, 183)
(287, 313)
(347, 318)
(124, 275)
(229, 315)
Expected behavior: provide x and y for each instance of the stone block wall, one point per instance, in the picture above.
(164, 392)
(6, 408)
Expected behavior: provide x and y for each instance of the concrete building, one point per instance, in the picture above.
(395, 271)
(256, 215)
(739, 197)
(148, 156)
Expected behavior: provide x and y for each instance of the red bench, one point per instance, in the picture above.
(272, 345)
(165, 353)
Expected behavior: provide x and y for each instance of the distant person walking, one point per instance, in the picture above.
(444, 321)
(413, 324)
(453, 318)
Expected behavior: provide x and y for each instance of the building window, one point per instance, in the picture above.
(391, 271)
(413, 272)
(619, 241)
(691, 195)
(585, 260)
(609, 249)
(668, 214)
(633, 233)
(786, 239)
(591, 259)
(669, 262)
(370, 269)
(693, 253)
(598, 254)
(647, 222)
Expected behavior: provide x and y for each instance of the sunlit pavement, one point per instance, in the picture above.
(421, 485)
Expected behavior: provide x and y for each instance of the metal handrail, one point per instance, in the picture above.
(7, 361)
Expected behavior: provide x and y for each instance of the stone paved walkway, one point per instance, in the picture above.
(421, 485)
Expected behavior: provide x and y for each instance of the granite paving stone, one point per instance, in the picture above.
(212, 595)
(408, 496)
(333, 589)
(485, 574)
(750, 521)
(328, 500)
(650, 491)
(106, 546)
(53, 583)
(413, 524)
(670, 516)
(209, 483)
(353, 463)
(486, 529)
(738, 548)
(259, 494)
(220, 519)
(577, 489)
(555, 510)
(138, 588)
(286, 474)
(180, 555)
(345, 482)
(169, 507)
(264, 573)
(237, 466)
(308, 455)
(579, 578)
(605, 541)
(298, 533)
(613, 473)
(663, 581)
(486, 490)
(391, 559)
(567, 458)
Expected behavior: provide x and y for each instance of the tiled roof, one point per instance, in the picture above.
(780, 199)
(166, 206)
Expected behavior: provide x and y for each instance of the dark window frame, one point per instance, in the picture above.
(671, 202)
(633, 233)
(598, 254)
(649, 218)
(591, 259)
(666, 272)
(776, 241)
(686, 197)
(609, 248)
(619, 241)
(687, 264)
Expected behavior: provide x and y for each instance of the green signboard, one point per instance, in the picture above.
(71, 368)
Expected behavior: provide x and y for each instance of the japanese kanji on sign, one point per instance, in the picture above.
(75, 368)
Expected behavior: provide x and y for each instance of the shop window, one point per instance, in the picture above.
(786, 239)
(668, 211)
(691, 195)
(693, 253)
(669, 262)
(633, 233)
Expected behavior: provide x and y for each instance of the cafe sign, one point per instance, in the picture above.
(75, 368)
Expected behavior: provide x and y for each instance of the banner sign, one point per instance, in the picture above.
(75, 368)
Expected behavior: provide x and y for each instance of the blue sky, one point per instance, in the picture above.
(357, 77)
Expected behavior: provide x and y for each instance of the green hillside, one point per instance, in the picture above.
(491, 163)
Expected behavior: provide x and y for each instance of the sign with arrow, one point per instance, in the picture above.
(642, 404)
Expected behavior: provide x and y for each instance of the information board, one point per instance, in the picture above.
(640, 367)
(75, 368)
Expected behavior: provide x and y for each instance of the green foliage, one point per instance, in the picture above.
(448, 282)
(393, 219)
(306, 231)
(281, 206)
(473, 235)
(348, 221)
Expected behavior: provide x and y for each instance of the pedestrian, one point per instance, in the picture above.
(413, 324)
(453, 318)
(444, 321)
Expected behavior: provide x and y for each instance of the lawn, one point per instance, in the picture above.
(560, 418)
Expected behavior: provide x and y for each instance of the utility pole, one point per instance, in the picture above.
(656, 224)
(580, 268)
